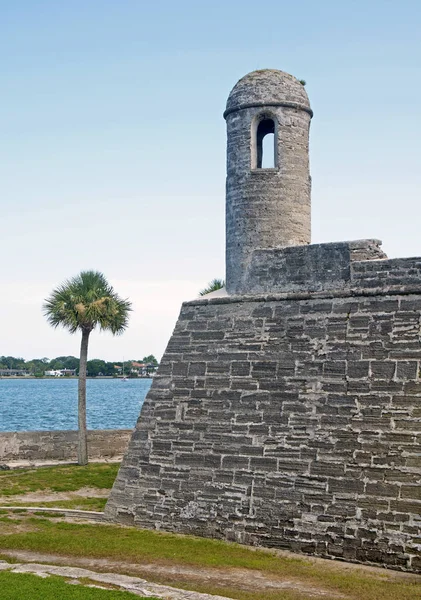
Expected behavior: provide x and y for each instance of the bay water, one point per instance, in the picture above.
(51, 404)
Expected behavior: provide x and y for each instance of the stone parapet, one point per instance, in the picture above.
(314, 267)
(387, 273)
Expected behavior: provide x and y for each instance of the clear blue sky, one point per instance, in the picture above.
(112, 151)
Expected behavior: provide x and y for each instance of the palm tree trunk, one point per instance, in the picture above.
(82, 455)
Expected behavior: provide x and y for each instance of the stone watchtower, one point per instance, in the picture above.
(268, 201)
(286, 413)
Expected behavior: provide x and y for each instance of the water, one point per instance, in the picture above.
(51, 404)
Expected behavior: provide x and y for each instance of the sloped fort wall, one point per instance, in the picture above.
(291, 419)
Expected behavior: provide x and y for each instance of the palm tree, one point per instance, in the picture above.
(81, 304)
(215, 284)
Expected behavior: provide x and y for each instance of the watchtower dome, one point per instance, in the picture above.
(268, 201)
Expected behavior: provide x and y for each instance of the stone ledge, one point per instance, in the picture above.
(352, 292)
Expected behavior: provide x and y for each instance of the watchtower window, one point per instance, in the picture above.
(265, 144)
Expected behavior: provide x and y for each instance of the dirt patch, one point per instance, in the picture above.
(12, 527)
(244, 579)
(49, 496)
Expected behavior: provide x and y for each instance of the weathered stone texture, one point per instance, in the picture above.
(267, 86)
(30, 446)
(358, 265)
(315, 267)
(387, 273)
(286, 422)
(266, 208)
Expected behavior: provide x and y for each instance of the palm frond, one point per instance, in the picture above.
(215, 284)
(85, 302)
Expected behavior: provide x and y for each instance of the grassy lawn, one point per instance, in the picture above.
(137, 546)
(16, 586)
(66, 478)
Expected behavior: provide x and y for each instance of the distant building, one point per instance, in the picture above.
(143, 369)
(68, 372)
(13, 373)
(61, 373)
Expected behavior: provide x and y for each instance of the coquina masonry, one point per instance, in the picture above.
(286, 412)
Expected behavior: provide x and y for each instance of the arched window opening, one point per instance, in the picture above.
(268, 151)
(265, 145)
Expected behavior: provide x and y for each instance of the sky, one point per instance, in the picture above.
(112, 145)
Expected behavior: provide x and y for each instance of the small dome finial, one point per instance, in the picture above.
(268, 87)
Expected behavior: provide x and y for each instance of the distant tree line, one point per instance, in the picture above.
(95, 367)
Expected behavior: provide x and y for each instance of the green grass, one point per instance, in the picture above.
(10, 520)
(95, 504)
(67, 478)
(137, 546)
(17, 586)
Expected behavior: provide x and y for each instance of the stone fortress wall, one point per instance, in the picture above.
(56, 446)
(290, 421)
(288, 414)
